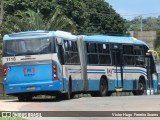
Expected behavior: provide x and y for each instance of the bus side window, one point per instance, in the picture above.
(104, 54)
(139, 55)
(128, 55)
(71, 52)
(92, 56)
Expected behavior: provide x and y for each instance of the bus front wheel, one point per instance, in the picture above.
(141, 88)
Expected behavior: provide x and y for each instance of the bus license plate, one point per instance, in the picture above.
(30, 88)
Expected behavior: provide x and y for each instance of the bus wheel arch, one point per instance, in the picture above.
(108, 93)
(141, 86)
(103, 87)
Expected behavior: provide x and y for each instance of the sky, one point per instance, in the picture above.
(130, 9)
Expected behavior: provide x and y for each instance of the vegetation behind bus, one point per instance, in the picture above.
(93, 16)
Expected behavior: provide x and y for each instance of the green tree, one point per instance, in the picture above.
(149, 23)
(93, 16)
(89, 16)
(157, 42)
(30, 20)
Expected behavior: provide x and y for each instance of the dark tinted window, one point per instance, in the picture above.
(91, 47)
(104, 54)
(139, 55)
(128, 55)
(128, 49)
(27, 47)
(139, 50)
(71, 55)
(104, 59)
(92, 59)
(103, 48)
(98, 53)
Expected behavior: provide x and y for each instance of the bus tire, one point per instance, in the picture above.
(102, 89)
(109, 93)
(141, 87)
(24, 98)
(21, 99)
(59, 96)
(69, 94)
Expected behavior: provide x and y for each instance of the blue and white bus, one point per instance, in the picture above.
(31, 64)
(117, 63)
(61, 64)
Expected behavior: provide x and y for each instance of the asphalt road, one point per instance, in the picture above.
(114, 103)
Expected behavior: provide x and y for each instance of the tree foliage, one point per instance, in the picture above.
(30, 20)
(157, 42)
(89, 16)
(149, 23)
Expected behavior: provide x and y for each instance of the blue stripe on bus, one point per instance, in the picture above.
(101, 71)
(96, 72)
(131, 72)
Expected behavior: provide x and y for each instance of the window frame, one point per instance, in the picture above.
(127, 55)
(71, 51)
(134, 55)
(97, 53)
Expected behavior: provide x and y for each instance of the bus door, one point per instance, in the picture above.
(116, 53)
(151, 71)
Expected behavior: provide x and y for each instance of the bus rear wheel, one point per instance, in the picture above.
(24, 98)
(69, 94)
(141, 88)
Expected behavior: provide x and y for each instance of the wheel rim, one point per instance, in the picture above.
(103, 88)
(141, 86)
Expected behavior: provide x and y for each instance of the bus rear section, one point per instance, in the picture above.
(30, 77)
(30, 67)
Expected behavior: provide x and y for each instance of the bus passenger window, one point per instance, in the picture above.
(92, 56)
(128, 55)
(104, 54)
(71, 55)
(92, 59)
(139, 55)
(91, 47)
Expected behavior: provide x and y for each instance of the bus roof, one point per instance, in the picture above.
(38, 34)
(113, 39)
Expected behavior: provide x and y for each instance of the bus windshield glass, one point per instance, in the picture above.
(27, 47)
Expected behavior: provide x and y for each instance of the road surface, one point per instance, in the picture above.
(114, 103)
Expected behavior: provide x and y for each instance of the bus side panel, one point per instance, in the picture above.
(131, 77)
(94, 74)
(72, 72)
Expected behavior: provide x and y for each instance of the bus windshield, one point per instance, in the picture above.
(27, 47)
